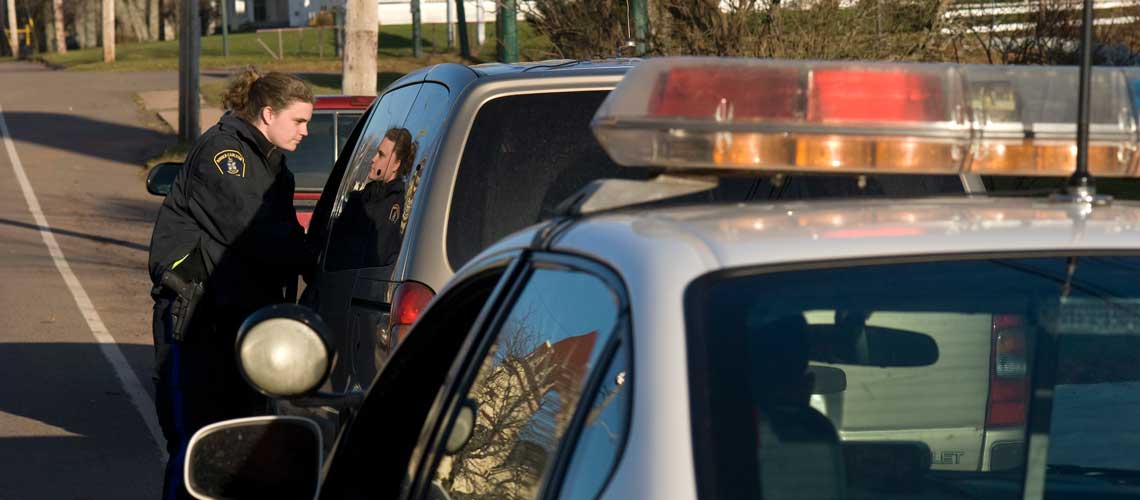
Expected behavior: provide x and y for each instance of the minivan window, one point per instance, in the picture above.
(527, 153)
(915, 380)
(350, 239)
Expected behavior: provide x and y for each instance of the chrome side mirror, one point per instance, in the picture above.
(283, 351)
(258, 457)
(161, 178)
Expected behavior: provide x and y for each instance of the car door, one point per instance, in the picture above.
(536, 380)
(372, 455)
(331, 294)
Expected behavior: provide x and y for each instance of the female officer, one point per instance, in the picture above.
(229, 226)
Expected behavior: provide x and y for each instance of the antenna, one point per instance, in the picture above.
(1081, 184)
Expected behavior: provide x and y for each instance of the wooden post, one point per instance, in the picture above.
(360, 47)
(60, 33)
(13, 36)
(108, 31)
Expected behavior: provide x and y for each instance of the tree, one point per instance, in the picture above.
(108, 31)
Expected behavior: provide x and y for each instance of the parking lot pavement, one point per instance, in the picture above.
(75, 342)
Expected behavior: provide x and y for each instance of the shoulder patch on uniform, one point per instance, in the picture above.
(230, 162)
(394, 214)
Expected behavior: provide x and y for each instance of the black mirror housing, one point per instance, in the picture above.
(161, 178)
(258, 457)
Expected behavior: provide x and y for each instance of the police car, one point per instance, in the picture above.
(945, 347)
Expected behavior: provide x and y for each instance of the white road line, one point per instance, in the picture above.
(107, 343)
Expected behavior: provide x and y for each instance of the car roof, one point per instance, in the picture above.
(711, 237)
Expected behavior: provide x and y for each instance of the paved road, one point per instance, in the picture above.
(75, 341)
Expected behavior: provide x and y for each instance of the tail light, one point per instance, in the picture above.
(410, 300)
(1009, 374)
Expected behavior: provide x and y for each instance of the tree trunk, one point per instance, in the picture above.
(60, 30)
(361, 37)
(133, 15)
(153, 16)
(13, 37)
(108, 31)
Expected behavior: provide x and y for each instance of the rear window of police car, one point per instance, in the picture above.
(526, 153)
(919, 378)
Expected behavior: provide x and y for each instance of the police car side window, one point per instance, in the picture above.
(529, 384)
(603, 431)
(389, 113)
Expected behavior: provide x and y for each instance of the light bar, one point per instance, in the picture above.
(833, 117)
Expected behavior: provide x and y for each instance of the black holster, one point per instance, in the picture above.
(187, 295)
(185, 281)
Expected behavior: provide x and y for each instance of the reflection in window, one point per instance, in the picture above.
(346, 248)
(529, 384)
(598, 445)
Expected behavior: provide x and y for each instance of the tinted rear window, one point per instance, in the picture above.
(916, 380)
(527, 153)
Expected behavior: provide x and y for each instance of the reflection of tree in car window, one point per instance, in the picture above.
(529, 385)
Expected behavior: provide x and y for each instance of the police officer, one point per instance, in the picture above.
(226, 243)
(380, 203)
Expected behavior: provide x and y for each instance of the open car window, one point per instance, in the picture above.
(915, 380)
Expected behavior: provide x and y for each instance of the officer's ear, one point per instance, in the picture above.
(267, 115)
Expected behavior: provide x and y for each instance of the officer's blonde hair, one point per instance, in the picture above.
(250, 91)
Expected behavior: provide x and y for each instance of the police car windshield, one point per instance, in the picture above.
(813, 383)
(527, 153)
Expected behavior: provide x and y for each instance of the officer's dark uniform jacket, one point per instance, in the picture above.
(374, 215)
(233, 199)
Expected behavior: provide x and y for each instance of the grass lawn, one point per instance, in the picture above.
(307, 51)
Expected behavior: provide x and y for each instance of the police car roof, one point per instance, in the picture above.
(710, 237)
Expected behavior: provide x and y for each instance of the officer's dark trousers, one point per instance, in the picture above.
(197, 382)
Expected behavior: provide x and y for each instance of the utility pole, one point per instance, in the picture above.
(417, 31)
(461, 19)
(360, 46)
(226, 28)
(480, 26)
(508, 40)
(108, 31)
(13, 37)
(57, 19)
(189, 47)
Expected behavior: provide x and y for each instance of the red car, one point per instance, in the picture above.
(333, 120)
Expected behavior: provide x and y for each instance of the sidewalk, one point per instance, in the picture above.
(165, 104)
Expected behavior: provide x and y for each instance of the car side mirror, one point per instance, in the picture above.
(828, 379)
(161, 178)
(258, 457)
(283, 351)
